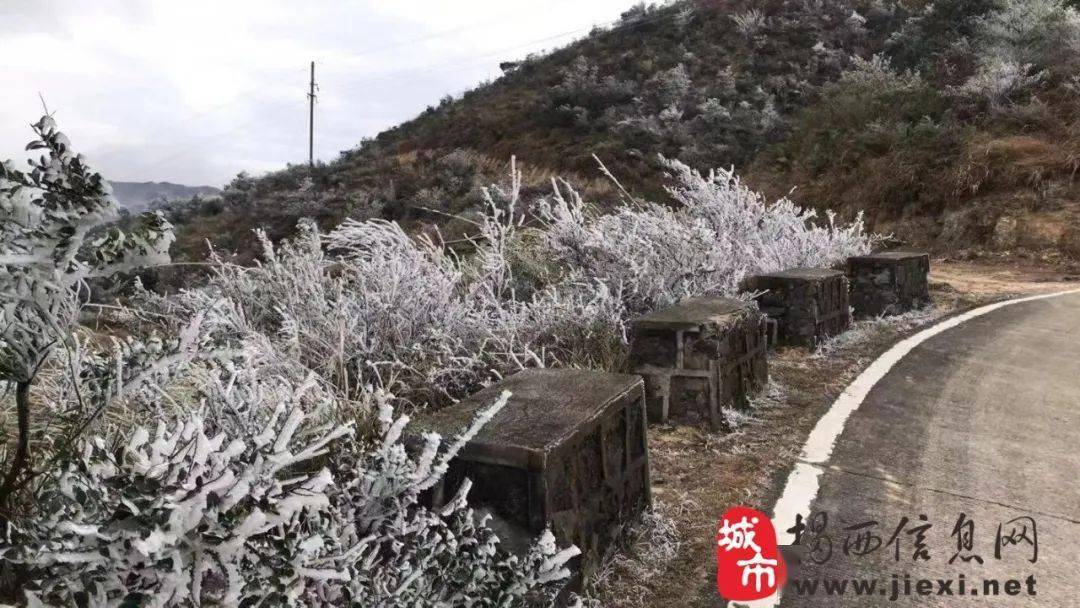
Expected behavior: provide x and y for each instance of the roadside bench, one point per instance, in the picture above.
(698, 357)
(889, 283)
(568, 450)
(808, 305)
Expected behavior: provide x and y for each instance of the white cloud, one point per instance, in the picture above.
(197, 91)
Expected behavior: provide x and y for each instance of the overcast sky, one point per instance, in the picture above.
(193, 91)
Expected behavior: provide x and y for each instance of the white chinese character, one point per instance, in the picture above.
(739, 535)
(759, 567)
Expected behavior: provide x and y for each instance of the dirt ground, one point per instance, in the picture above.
(697, 474)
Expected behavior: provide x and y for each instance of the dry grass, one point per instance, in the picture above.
(640, 560)
(1017, 161)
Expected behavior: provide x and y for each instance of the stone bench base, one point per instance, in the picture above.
(888, 283)
(699, 357)
(808, 304)
(568, 451)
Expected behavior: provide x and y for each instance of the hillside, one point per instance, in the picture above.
(953, 125)
(138, 196)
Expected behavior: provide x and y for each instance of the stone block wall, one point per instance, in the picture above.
(807, 304)
(888, 283)
(568, 450)
(698, 357)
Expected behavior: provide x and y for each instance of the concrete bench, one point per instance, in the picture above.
(698, 357)
(888, 283)
(807, 304)
(568, 450)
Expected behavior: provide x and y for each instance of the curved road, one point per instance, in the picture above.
(982, 419)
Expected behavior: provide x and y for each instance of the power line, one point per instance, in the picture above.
(311, 118)
(240, 97)
(465, 63)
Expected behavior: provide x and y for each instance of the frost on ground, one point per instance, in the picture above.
(859, 334)
(736, 418)
(642, 556)
(867, 329)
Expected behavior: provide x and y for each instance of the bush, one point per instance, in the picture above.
(718, 232)
(1018, 48)
(926, 37)
(669, 87)
(229, 506)
(1041, 33)
(1001, 81)
(255, 487)
(403, 313)
(47, 257)
(583, 87)
(750, 22)
(871, 109)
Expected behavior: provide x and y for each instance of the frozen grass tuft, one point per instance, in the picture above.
(736, 418)
(775, 394)
(868, 329)
(645, 553)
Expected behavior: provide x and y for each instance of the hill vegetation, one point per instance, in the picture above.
(278, 471)
(952, 124)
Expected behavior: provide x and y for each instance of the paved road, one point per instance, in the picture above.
(982, 419)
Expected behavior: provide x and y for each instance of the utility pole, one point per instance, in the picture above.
(311, 118)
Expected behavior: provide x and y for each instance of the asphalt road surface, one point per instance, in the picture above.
(982, 420)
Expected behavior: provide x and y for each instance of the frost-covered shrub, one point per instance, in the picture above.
(876, 76)
(1042, 33)
(254, 487)
(669, 87)
(636, 13)
(937, 31)
(649, 252)
(872, 109)
(198, 510)
(47, 217)
(368, 304)
(397, 311)
(712, 113)
(719, 231)
(388, 308)
(52, 241)
(629, 578)
(749, 23)
(1019, 46)
(245, 501)
(856, 24)
(404, 555)
(582, 87)
(999, 81)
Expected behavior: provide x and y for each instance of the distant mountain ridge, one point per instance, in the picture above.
(138, 196)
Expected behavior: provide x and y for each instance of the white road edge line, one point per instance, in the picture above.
(802, 484)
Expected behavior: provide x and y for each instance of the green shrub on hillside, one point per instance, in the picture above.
(870, 110)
